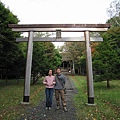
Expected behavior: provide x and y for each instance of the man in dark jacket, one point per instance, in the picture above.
(59, 89)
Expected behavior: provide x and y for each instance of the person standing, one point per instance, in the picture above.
(49, 81)
(59, 89)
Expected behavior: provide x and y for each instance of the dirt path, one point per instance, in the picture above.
(40, 113)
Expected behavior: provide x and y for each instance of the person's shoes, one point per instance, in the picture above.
(46, 108)
(49, 108)
(57, 107)
(65, 109)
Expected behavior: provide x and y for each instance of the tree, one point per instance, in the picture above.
(114, 12)
(13, 54)
(74, 51)
(9, 49)
(113, 22)
(82, 63)
(45, 57)
(106, 60)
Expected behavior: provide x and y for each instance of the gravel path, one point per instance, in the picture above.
(40, 113)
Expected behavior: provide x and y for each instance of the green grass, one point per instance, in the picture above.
(11, 95)
(107, 100)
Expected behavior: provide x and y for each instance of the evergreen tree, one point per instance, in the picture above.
(106, 60)
(9, 49)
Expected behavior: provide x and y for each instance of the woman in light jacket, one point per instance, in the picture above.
(49, 81)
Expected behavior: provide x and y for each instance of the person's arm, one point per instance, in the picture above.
(64, 79)
(45, 81)
(54, 82)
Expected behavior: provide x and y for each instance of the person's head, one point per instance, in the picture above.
(50, 72)
(58, 70)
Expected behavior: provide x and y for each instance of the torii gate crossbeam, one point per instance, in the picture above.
(86, 28)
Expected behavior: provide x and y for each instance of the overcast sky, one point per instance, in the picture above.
(59, 11)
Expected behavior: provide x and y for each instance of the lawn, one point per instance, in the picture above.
(11, 95)
(107, 100)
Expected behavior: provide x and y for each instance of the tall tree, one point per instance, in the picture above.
(8, 47)
(106, 60)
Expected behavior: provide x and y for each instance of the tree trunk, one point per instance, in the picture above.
(7, 76)
(34, 75)
(73, 68)
(1, 76)
(80, 70)
(17, 76)
(108, 83)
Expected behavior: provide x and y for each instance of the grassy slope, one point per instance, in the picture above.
(107, 100)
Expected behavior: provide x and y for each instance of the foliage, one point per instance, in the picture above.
(9, 49)
(45, 57)
(106, 60)
(114, 12)
(82, 63)
(113, 22)
(74, 51)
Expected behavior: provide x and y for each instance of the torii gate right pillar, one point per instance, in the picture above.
(90, 88)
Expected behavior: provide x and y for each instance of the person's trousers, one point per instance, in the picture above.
(59, 94)
(49, 95)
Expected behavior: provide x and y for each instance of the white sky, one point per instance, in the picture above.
(59, 11)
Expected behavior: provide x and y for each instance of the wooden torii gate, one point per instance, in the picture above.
(58, 28)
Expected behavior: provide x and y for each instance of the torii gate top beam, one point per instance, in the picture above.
(62, 27)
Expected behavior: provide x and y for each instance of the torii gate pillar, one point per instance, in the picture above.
(90, 89)
(28, 68)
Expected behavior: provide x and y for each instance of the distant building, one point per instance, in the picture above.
(66, 61)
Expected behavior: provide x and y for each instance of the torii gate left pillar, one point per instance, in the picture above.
(28, 69)
(86, 28)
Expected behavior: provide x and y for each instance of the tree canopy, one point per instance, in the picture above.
(74, 51)
(9, 49)
(45, 57)
(106, 59)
